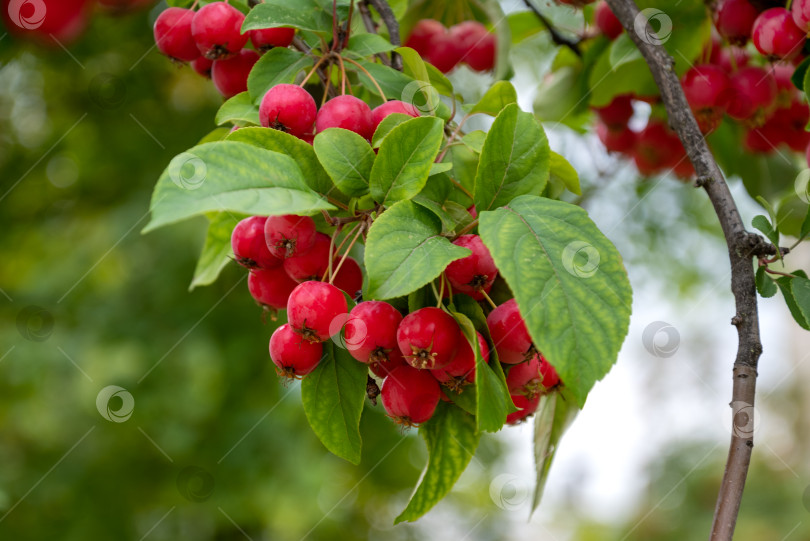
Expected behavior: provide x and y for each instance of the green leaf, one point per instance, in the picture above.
(289, 145)
(392, 82)
(216, 252)
(806, 82)
(800, 286)
(765, 285)
(333, 396)
(438, 168)
(406, 155)
(785, 284)
(554, 415)
(623, 51)
(239, 110)
(523, 25)
(805, 225)
(451, 443)
(569, 282)
(799, 73)
(561, 169)
(475, 140)
(347, 158)
(514, 160)
(301, 14)
(439, 81)
(762, 223)
(230, 176)
(277, 66)
(369, 44)
(405, 251)
(388, 123)
(499, 95)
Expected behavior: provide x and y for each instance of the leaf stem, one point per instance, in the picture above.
(441, 290)
(346, 253)
(462, 188)
(313, 70)
(488, 299)
(373, 80)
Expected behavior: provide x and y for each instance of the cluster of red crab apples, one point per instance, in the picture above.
(416, 354)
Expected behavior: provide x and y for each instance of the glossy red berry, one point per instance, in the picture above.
(230, 75)
(271, 288)
(532, 378)
(734, 20)
(289, 235)
(445, 52)
(371, 332)
(293, 356)
(349, 277)
(202, 66)
(410, 396)
(313, 307)
(474, 274)
(706, 88)
(621, 140)
(775, 34)
(173, 34)
(617, 113)
(800, 10)
(428, 338)
(510, 337)
(217, 30)
(311, 264)
(423, 34)
(346, 112)
(476, 42)
(379, 113)
(248, 244)
(657, 148)
(265, 39)
(461, 371)
(606, 21)
(288, 108)
(527, 407)
(751, 91)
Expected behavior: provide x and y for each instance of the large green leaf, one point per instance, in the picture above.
(501, 94)
(240, 110)
(405, 251)
(369, 44)
(392, 82)
(347, 158)
(554, 415)
(230, 176)
(563, 171)
(514, 160)
(569, 282)
(301, 14)
(216, 252)
(289, 145)
(451, 442)
(277, 66)
(406, 155)
(333, 396)
(796, 292)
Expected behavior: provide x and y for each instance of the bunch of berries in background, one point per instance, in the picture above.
(468, 43)
(416, 354)
(743, 75)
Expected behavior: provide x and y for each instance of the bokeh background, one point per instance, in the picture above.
(217, 449)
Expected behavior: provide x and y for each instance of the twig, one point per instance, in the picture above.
(741, 249)
(391, 23)
(555, 34)
(371, 27)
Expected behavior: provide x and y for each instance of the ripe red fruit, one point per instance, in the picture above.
(202, 66)
(371, 332)
(461, 371)
(730, 59)
(617, 113)
(311, 264)
(410, 396)
(51, 23)
(428, 338)
(476, 42)
(271, 288)
(312, 307)
(346, 112)
(288, 108)
(527, 407)
(800, 10)
(606, 21)
(383, 369)
(622, 140)
(217, 30)
(230, 75)
(509, 334)
(249, 246)
(389, 108)
(423, 34)
(474, 274)
(445, 52)
(173, 34)
(349, 278)
(751, 92)
(293, 356)
(776, 34)
(532, 378)
(266, 38)
(289, 235)
(657, 148)
(706, 88)
(734, 20)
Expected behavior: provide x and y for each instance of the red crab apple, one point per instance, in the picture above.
(371, 332)
(775, 34)
(410, 396)
(288, 108)
(217, 30)
(734, 20)
(312, 307)
(271, 288)
(265, 39)
(428, 338)
(248, 244)
(289, 235)
(526, 407)
(474, 274)
(509, 334)
(293, 356)
(173, 34)
(346, 112)
(230, 75)
(461, 371)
